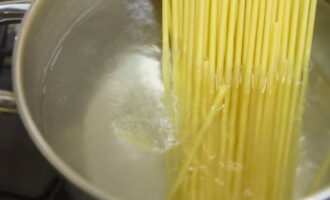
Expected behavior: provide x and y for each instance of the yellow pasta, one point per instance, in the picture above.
(235, 74)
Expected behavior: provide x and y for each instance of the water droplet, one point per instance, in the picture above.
(247, 193)
(219, 182)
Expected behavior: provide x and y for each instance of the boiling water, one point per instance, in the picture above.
(105, 80)
(112, 103)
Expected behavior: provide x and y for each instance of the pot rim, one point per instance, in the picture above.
(28, 121)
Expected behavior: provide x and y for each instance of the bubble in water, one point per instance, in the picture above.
(191, 169)
(247, 193)
(219, 182)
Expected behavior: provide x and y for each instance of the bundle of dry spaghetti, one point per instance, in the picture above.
(235, 74)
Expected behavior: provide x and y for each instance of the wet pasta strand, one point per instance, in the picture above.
(235, 74)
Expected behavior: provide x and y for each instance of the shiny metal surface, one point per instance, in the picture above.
(7, 102)
(13, 11)
(87, 76)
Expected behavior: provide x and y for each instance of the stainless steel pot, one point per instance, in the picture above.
(86, 69)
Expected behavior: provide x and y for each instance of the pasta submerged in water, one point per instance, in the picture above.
(235, 75)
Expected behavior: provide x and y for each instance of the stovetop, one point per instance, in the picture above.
(24, 172)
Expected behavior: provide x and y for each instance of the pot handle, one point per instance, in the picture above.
(11, 12)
